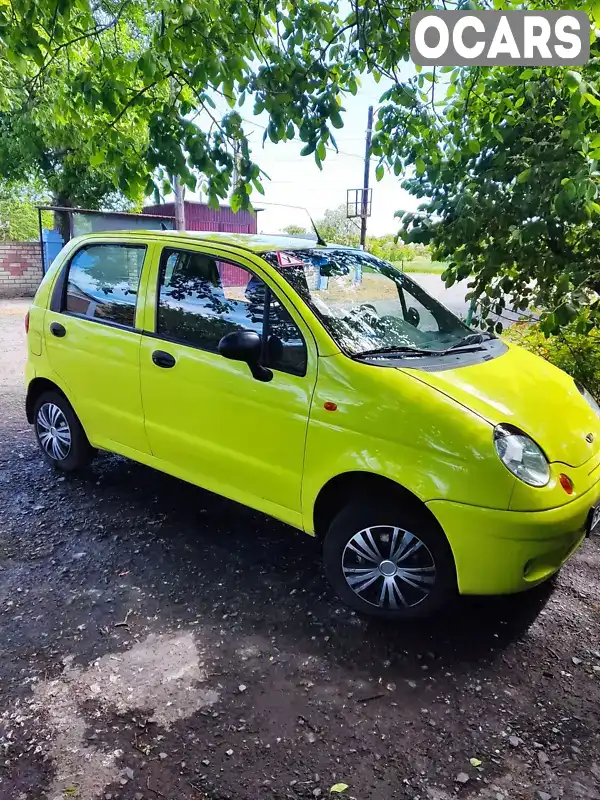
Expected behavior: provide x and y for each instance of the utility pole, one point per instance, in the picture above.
(178, 190)
(365, 195)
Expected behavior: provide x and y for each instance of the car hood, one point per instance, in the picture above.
(526, 391)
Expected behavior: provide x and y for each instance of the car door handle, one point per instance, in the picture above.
(162, 359)
(56, 329)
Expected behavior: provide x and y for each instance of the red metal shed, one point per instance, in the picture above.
(199, 217)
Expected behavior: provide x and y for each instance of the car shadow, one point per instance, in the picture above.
(273, 575)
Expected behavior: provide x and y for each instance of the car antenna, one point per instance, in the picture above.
(320, 239)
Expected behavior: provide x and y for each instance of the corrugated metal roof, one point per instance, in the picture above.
(200, 217)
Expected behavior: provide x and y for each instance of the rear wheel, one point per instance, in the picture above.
(60, 434)
(388, 562)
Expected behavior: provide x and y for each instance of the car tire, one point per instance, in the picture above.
(59, 433)
(371, 545)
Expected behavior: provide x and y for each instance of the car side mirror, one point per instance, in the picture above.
(245, 346)
(413, 317)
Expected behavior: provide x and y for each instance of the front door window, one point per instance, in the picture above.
(202, 298)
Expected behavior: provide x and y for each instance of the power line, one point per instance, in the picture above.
(327, 147)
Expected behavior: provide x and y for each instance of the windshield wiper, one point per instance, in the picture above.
(472, 338)
(403, 350)
(412, 351)
(381, 351)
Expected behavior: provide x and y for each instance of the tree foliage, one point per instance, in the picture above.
(507, 161)
(389, 248)
(295, 230)
(18, 213)
(119, 93)
(335, 227)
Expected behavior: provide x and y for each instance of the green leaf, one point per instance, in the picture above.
(235, 202)
(572, 80)
(475, 762)
(336, 120)
(321, 151)
(97, 158)
(379, 172)
(147, 64)
(420, 166)
(523, 177)
(339, 787)
(595, 154)
(526, 74)
(308, 149)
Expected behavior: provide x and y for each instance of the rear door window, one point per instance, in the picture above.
(103, 282)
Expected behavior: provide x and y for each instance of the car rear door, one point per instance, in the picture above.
(206, 416)
(92, 335)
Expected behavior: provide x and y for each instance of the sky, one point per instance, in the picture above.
(296, 180)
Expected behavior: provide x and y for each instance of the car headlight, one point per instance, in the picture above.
(588, 397)
(521, 455)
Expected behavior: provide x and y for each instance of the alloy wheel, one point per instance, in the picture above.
(388, 567)
(53, 431)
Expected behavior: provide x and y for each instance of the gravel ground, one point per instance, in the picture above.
(159, 642)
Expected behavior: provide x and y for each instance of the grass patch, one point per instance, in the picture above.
(421, 264)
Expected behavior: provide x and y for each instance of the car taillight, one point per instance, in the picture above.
(27, 322)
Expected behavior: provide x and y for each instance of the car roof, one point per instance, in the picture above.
(255, 242)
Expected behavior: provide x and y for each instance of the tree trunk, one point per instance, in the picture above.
(62, 221)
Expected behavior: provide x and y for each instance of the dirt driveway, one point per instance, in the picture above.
(159, 642)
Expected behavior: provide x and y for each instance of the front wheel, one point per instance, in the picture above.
(387, 562)
(60, 434)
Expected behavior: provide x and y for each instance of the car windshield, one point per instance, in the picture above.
(366, 304)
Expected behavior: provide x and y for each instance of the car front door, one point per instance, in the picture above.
(93, 342)
(206, 416)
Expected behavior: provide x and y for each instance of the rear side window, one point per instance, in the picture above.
(103, 282)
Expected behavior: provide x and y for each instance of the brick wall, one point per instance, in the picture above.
(20, 268)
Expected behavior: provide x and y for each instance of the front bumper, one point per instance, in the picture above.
(501, 552)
